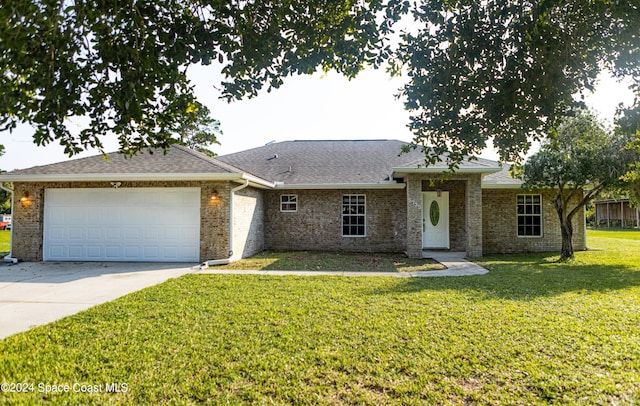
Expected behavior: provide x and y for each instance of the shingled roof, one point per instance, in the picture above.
(336, 162)
(501, 180)
(330, 163)
(176, 162)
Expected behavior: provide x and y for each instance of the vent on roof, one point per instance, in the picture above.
(275, 156)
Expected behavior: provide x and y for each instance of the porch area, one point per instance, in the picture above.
(444, 216)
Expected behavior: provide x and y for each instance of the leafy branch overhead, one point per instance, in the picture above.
(477, 71)
(123, 64)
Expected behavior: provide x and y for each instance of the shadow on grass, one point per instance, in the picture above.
(519, 277)
(334, 261)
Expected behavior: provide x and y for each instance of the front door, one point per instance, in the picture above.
(435, 220)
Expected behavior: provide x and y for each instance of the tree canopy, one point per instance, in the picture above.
(197, 129)
(579, 160)
(506, 70)
(123, 64)
(478, 71)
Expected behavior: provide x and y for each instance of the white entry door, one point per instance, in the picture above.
(435, 220)
(126, 224)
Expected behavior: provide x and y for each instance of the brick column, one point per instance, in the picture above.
(414, 216)
(474, 216)
(28, 222)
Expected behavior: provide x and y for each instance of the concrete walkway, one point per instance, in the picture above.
(455, 263)
(32, 294)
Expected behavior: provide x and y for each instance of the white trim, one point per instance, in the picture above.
(501, 185)
(289, 202)
(323, 186)
(446, 170)
(98, 177)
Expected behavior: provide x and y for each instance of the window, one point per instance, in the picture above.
(288, 203)
(353, 215)
(529, 215)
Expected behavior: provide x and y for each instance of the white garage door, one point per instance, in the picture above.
(141, 224)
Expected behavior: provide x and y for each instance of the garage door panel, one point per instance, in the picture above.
(75, 233)
(113, 253)
(94, 252)
(113, 233)
(76, 251)
(142, 224)
(56, 250)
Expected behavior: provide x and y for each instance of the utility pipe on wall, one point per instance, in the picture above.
(225, 261)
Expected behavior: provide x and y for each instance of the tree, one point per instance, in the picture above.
(197, 129)
(629, 125)
(500, 70)
(580, 159)
(5, 197)
(122, 64)
(506, 70)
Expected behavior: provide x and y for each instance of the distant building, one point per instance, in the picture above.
(616, 213)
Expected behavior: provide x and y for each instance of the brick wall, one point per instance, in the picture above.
(317, 224)
(500, 233)
(28, 218)
(248, 222)
(27, 222)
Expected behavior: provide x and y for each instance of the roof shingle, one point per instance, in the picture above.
(177, 160)
(335, 161)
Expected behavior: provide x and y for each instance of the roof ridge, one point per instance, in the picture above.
(344, 140)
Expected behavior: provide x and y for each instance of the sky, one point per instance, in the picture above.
(321, 106)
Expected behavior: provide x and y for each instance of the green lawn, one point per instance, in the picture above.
(532, 331)
(327, 261)
(5, 239)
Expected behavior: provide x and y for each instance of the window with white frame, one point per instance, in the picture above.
(529, 215)
(353, 215)
(288, 203)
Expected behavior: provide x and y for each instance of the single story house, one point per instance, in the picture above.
(359, 196)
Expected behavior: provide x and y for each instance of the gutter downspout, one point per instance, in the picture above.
(225, 261)
(9, 258)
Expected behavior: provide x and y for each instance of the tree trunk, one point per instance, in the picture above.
(567, 244)
(566, 228)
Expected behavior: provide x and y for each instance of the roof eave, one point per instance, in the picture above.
(443, 170)
(501, 185)
(98, 177)
(326, 186)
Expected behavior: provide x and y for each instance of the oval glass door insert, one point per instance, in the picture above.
(434, 213)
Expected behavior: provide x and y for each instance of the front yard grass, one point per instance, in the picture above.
(532, 331)
(329, 261)
(5, 242)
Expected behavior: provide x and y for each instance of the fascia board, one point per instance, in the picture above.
(440, 170)
(501, 186)
(83, 177)
(326, 186)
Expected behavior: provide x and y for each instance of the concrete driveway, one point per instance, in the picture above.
(32, 294)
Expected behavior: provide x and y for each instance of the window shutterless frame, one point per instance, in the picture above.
(354, 215)
(529, 215)
(288, 203)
